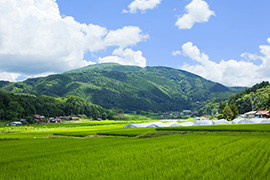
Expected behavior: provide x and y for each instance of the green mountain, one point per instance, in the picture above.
(257, 97)
(131, 88)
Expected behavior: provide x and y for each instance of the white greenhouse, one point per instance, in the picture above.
(183, 124)
(235, 121)
(199, 123)
(221, 121)
(246, 121)
(256, 120)
(265, 121)
(202, 123)
(160, 124)
(142, 125)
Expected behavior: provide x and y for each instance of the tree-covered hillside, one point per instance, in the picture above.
(130, 88)
(15, 107)
(256, 98)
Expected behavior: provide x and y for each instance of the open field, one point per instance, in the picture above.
(229, 127)
(196, 154)
(69, 128)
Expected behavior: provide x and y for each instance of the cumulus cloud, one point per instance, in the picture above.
(35, 39)
(250, 56)
(176, 53)
(127, 36)
(141, 5)
(6, 76)
(231, 72)
(196, 12)
(126, 57)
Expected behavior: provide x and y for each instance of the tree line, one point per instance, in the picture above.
(24, 106)
(251, 99)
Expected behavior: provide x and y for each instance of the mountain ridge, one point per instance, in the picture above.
(131, 88)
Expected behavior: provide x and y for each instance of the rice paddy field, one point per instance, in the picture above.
(111, 152)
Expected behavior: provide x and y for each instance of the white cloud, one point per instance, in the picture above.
(197, 12)
(249, 56)
(6, 76)
(35, 39)
(127, 36)
(176, 53)
(125, 57)
(141, 5)
(232, 72)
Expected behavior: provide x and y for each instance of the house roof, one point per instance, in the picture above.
(251, 113)
(263, 112)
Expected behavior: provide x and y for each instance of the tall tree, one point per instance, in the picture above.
(227, 113)
(234, 109)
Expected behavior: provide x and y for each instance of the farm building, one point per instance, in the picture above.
(257, 114)
(250, 114)
(262, 114)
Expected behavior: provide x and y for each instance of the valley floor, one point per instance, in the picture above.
(110, 152)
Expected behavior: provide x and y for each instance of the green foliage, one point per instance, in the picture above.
(228, 113)
(256, 98)
(17, 106)
(234, 109)
(220, 116)
(211, 108)
(131, 88)
(29, 119)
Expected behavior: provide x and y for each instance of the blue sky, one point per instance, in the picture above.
(223, 41)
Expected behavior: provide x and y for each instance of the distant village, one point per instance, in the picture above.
(175, 115)
(251, 114)
(41, 119)
(166, 115)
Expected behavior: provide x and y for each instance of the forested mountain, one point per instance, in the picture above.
(130, 88)
(256, 98)
(14, 107)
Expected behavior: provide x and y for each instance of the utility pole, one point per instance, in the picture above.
(252, 103)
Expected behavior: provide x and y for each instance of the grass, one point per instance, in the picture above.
(128, 132)
(203, 152)
(143, 117)
(76, 128)
(169, 157)
(75, 131)
(230, 127)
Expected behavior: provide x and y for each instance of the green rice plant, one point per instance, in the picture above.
(111, 130)
(45, 132)
(14, 129)
(186, 156)
(230, 127)
(131, 132)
